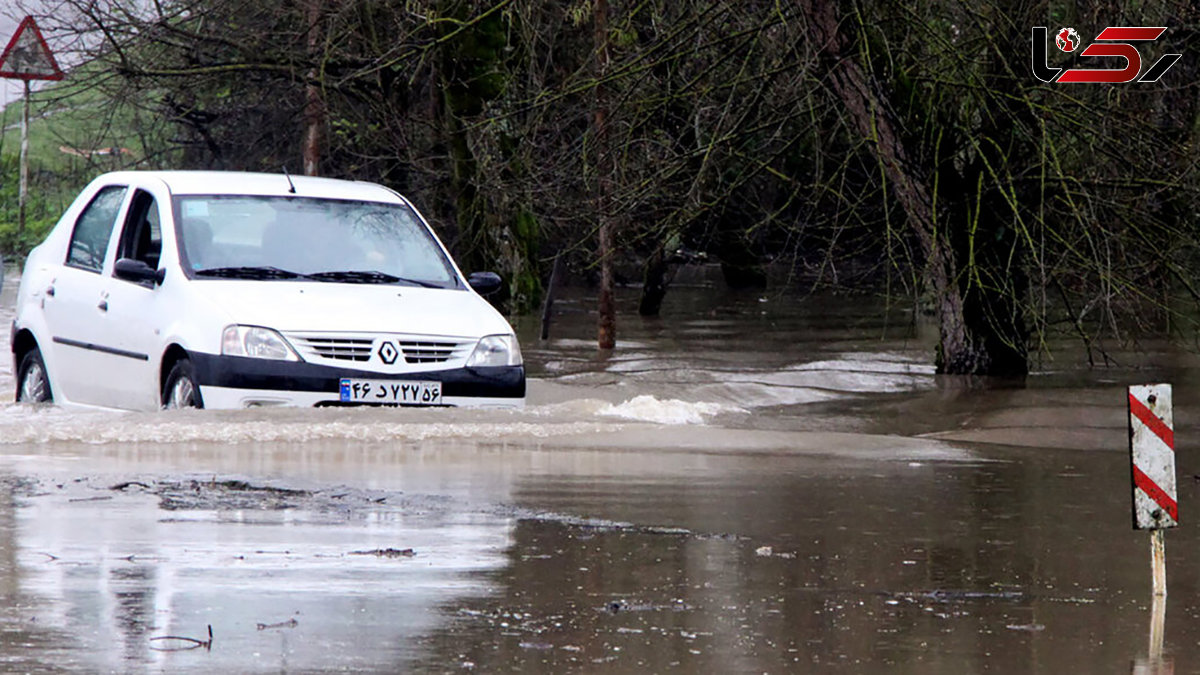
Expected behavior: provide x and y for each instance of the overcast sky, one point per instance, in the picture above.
(11, 90)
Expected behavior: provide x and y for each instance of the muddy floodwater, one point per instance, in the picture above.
(755, 483)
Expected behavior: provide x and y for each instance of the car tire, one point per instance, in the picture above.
(33, 382)
(180, 389)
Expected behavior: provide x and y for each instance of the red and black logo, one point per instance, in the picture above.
(1113, 41)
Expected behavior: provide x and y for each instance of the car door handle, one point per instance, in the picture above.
(103, 305)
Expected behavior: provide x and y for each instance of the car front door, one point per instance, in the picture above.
(72, 301)
(135, 309)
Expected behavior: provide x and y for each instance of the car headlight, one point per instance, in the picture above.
(256, 342)
(495, 350)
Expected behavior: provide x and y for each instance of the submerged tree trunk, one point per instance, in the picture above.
(979, 333)
(606, 332)
(654, 283)
(741, 267)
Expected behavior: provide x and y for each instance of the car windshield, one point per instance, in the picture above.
(287, 238)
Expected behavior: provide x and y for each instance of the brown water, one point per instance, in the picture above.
(751, 484)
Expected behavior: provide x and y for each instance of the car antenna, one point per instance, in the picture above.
(291, 185)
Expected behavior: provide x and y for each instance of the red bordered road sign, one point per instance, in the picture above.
(27, 56)
(1152, 451)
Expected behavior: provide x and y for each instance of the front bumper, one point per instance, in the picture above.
(239, 382)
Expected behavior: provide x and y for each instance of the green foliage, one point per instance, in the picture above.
(525, 284)
(473, 60)
(47, 200)
(76, 133)
(724, 133)
(14, 246)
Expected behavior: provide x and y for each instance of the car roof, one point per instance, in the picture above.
(266, 184)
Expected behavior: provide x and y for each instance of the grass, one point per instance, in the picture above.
(69, 121)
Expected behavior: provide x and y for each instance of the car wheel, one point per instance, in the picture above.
(33, 384)
(180, 389)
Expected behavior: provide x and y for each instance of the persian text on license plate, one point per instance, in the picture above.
(405, 392)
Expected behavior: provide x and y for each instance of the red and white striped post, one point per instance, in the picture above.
(1155, 500)
(1152, 451)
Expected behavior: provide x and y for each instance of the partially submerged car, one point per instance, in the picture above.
(232, 290)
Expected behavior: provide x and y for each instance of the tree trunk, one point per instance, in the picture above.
(551, 287)
(606, 333)
(970, 340)
(314, 103)
(654, 285)
(740, 265)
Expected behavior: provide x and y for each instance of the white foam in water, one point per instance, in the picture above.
(646, 408)
(24, 424)
(759, 395)
(20, 424)
(871, 362)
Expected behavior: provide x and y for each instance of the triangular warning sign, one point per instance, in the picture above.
(27, 57)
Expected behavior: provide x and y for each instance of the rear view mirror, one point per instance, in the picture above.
(137, 271)
(484, 283)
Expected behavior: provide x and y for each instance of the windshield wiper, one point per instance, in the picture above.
(249, 272)
(368, 277)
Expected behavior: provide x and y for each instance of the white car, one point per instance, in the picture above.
(232, 290)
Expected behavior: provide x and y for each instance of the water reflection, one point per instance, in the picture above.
(783, 564)
(95, 573)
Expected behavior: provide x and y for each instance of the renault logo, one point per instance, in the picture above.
(388, 352)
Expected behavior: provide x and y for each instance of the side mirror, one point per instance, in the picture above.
(137, 271)
(484, 283)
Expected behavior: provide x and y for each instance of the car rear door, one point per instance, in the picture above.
(72, 302)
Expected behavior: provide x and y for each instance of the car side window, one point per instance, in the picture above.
(93, 229)
(141, 238)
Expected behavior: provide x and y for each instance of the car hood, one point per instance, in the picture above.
(369, 308)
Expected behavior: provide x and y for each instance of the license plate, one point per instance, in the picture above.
(404, 392)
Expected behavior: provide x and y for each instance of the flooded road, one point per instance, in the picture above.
(754, 483)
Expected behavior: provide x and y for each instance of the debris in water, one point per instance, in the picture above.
(226, 495)
(388, 552)
(1031, 627)
(616, 606)
(128, 484)
(763, 551)
(186, 643)
(290, 623)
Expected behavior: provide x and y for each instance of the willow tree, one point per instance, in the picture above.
(1028, 205)
(948, 155)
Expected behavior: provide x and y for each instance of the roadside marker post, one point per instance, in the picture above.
(1155, 497)
(1152, 455)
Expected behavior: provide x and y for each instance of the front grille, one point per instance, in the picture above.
(381, 348)
(427, 352)
(338, 348)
